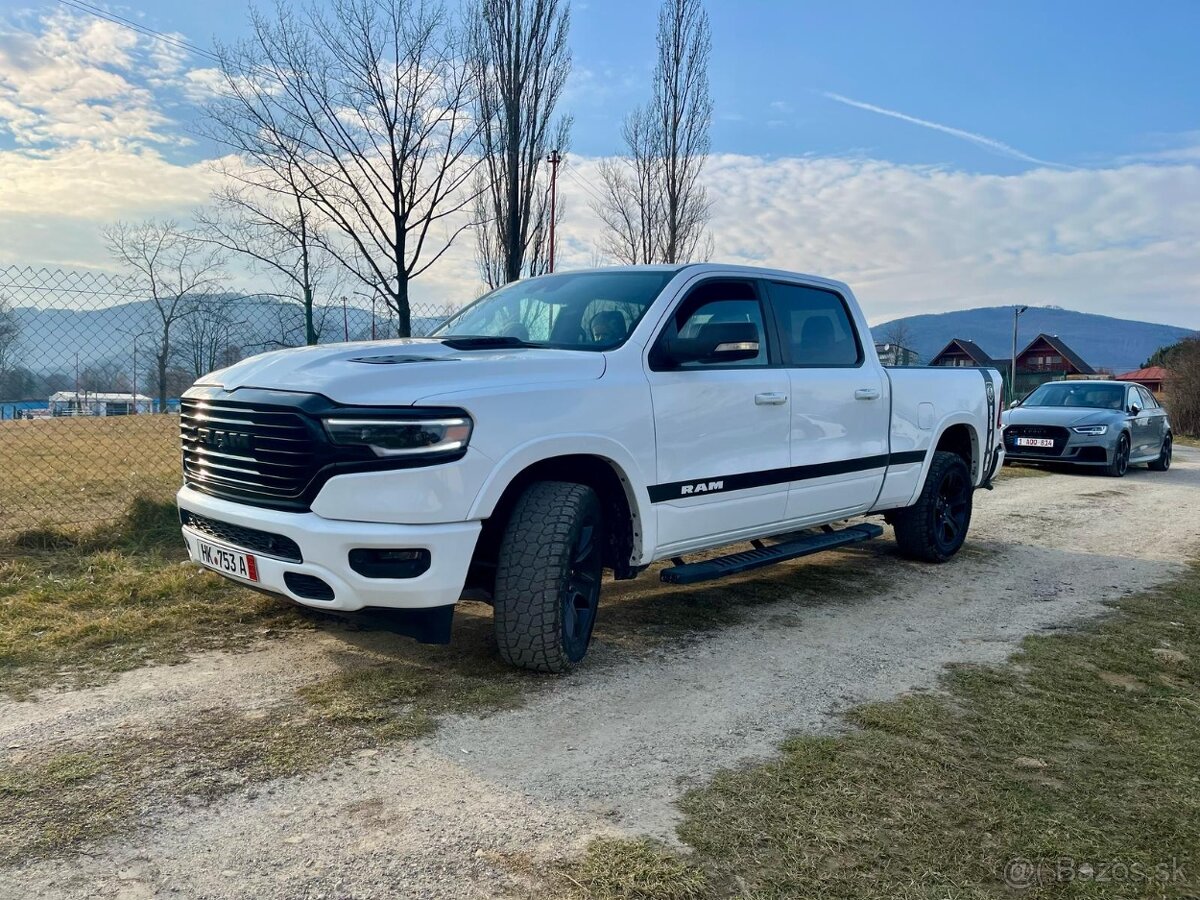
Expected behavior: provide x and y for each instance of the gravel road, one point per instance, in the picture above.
(608, 749)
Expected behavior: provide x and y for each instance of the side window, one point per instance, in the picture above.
(1147, 399)
(814, 327)
(712, 303)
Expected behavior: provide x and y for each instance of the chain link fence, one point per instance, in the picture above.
(91, 370)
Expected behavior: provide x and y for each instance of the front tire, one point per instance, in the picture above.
(548, 577)
(934, 528)
(1119, 464)
(1164, 456)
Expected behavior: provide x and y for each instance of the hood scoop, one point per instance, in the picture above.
(396, 359)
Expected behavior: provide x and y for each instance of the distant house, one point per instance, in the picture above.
(891, 354)
(961, 352)
(1152, 378)
(1049, 354)
(93, 403)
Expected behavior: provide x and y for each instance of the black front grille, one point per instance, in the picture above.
(1056, 433)
(263, 542)
(246, 450)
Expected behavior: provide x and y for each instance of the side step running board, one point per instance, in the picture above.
(690, 573)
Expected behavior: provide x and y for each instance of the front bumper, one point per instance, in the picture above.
(1080, 450)
(325, 546)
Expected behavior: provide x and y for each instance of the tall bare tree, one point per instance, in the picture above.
(276, 230)
(522, 60)
(365, 104)
(10, 334)
(209, 337)
(175, 269)
(654, 206)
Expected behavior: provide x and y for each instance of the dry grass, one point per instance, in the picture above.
(79, 470)
(1086, 748)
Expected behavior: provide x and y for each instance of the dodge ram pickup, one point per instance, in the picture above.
(571, 423)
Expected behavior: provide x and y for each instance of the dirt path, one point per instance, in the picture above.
(608, 749)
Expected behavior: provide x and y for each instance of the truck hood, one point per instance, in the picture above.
(1066, 416)
(401, 372)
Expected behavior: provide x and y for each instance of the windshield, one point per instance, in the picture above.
(1066, 393)
(579, 311)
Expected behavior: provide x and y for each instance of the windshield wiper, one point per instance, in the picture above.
(484, 342)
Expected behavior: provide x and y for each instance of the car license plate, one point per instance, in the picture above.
(1035, 442)
(228, 562)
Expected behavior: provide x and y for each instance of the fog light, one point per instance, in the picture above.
(371, 563)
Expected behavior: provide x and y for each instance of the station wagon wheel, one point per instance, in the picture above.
(1164, 456)
(1119, 464)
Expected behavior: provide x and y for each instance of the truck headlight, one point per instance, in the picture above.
(402, 437)
(1091, 429)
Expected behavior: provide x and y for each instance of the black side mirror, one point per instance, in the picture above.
(716, 343)
(1134, 409)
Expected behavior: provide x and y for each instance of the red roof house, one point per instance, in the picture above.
(1152, 378)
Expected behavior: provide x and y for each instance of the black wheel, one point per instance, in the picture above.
(1119, 464)
(934, 528)
(548, 577)
(1164, 456)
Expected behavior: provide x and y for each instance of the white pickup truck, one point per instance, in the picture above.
(572, 423)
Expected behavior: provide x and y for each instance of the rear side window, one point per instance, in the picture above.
(814, 327)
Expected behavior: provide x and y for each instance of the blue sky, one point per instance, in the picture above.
(934, 154)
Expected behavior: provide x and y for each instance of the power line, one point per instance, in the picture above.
(145, 30)
(569, 168)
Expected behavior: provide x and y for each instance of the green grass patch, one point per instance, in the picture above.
(1085, 748)
(78, 606)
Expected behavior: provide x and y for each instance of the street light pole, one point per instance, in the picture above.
(1012, 382)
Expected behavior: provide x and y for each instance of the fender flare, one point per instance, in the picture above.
(605, 448)
(938, 431)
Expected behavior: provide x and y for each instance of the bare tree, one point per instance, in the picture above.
(10, 334)
(1182, 361)
(522, 60)
(208, 337)
(654, 206)
(276, 230)
(175, 270)
(364, 106)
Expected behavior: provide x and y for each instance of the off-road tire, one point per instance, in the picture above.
(920, 528)
(1119, 464)
(1164, 456)
(534, 573)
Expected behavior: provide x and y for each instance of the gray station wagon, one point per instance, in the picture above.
(1107, 424)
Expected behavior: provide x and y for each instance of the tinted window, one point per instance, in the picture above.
(814, 327)
(711, 303)
(1148, 401)
(1078, 393)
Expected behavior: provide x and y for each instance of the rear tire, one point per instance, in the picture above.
(934, 528)
(548, 577)
(1119, 464)
(1164, 456)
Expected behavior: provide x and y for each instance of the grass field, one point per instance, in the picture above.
(1070, 772)
(72, 471)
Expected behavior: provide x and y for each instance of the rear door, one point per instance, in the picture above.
(722, 431)
(1156, 421)
(840, 403)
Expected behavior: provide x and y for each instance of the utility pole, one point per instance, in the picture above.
(1012, 383)
(345, 320)
(373, 317)
(554, 159)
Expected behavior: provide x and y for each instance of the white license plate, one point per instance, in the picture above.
(228, 562)
(1035, 442)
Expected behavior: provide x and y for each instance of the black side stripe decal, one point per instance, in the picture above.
(744, 480)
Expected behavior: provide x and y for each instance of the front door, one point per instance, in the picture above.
(722, 431)
(841, 408)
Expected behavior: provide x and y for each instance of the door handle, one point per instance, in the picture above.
(866, 394)
(770, 398)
